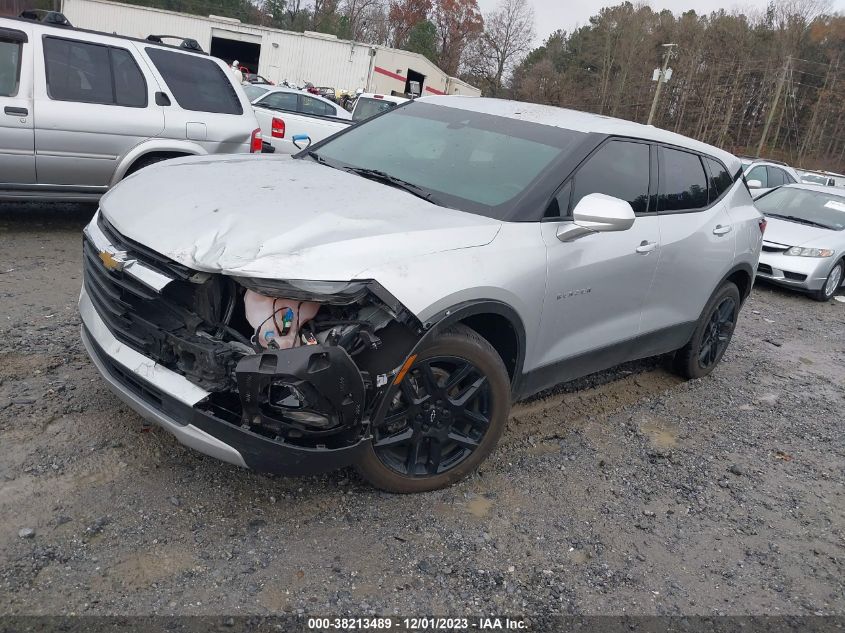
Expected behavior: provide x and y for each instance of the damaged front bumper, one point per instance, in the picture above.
(171, 401)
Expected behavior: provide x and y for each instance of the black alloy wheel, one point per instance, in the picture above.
(439, 417)
(717, 335)
(445, 417)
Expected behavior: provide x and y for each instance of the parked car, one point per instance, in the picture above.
(485, 251)
(826, 178)
(82, 110)
(805, 239)
(764, 175)
(254, 78)
(283, 113)
(369, 104)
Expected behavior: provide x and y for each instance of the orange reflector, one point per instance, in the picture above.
(405, 367)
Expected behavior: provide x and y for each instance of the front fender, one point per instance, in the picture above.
(154, 146)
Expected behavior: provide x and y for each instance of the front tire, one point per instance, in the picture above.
(712, 335)
(831, 284)
(446, 418)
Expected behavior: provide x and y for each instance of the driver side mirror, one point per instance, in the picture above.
(755, 184)
(597, 213)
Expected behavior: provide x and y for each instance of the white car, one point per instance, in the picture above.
(284, 113)
(369, 104)
(764, 175)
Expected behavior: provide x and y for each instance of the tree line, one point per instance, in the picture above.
(732, 72)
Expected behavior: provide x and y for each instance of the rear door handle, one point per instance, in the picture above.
(721, 230)
(646, 247)
(16, 111)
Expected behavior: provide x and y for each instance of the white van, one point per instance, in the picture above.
(81, 109)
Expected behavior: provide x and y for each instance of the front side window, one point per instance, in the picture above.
(10, 66)
(683, 185)
(720, 179)
(93, 73)
(471, 161)
(758, 173)
(804, 207)
(197, 83)
(619, 169)
(286, 101)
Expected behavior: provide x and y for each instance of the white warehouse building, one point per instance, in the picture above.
(277, 55)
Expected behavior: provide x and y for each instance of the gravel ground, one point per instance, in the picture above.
(626, 492)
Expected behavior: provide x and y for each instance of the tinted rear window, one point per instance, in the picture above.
(197, 83)
(367, 107)
(683, 186)
(78, 71)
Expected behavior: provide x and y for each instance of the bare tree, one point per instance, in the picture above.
(507, 37)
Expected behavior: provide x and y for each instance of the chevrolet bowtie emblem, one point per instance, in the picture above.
(113, 261)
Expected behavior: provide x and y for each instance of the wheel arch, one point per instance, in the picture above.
(742, 275)
(495, 321)
(157, 147)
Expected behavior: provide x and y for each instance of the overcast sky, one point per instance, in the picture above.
(567, 14)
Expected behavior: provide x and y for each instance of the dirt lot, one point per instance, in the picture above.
(627, 492)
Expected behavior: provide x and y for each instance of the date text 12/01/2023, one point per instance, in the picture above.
(417, 624)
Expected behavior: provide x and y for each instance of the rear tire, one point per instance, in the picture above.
(146, 161)
(831, 284)
(712, 335)
(435, 432)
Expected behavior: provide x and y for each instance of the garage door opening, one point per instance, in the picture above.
(414, 76)
(247, 53)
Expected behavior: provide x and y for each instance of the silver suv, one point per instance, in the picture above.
(380, 299)
(81, 110)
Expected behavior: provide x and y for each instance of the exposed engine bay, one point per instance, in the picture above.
(304, 363)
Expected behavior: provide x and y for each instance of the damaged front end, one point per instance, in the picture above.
(293, 370)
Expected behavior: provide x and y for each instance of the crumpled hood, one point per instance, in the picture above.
(795, 234)
(275, 217)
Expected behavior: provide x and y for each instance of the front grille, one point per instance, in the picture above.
(764, 268)
(143, 254)
(180, 327)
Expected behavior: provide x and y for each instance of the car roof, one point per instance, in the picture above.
(839, 192)
(580, 121)
(60, 28)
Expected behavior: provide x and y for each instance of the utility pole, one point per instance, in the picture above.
(661, 79)
(771, 114)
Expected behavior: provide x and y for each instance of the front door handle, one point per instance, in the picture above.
(646, 247)
(721, 230)
(16, 111)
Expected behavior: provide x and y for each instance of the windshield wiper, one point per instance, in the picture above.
(393, 181)
(793, 218)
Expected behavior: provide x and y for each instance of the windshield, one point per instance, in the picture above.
(466, 160)
(367, 107)
(812, 207)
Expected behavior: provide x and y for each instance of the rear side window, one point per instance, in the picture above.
(310, 105)
(720, 179)
(683, 185)
(776, 176)
(92, 73)
(619, 169)
(10, 65)
(130, 88)
(280, 101)
(197, 83)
